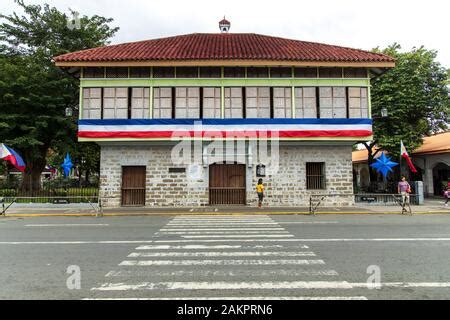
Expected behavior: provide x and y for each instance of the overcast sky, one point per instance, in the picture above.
(355, 23)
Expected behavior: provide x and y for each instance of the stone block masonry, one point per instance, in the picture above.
(284, 188)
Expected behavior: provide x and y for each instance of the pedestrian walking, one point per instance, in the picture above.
(404, 189)
(447, 196)
(260, 192)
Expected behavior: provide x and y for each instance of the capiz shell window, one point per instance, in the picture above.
(305, 102)
(140, 103)
(257, 102)
(234, 103)
(358, 103)
(333, 102)
(115, 103)
(162, 103)
(211, 103)
(282, 102)
(187, 103)
(92, 103)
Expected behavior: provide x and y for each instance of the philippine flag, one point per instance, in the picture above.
(405, 155)
(12, 156)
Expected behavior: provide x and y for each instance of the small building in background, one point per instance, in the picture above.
(432, 161)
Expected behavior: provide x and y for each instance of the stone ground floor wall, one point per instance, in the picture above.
(284, 187)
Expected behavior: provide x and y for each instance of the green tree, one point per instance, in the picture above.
(33, 92)
(416, 98)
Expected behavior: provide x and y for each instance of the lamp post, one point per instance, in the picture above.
(384, 112)
(69, 112)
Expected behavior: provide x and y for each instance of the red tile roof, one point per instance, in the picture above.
(223, 46)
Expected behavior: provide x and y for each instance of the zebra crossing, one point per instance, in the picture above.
(223, 258)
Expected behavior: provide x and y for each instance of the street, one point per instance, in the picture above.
(226, 257)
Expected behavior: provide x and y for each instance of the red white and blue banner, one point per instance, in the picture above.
(12, 156)
(224, 128)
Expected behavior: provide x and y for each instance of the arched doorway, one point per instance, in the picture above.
(441, 177)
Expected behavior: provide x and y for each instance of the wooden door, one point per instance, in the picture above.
(133, 186)
(227, 184)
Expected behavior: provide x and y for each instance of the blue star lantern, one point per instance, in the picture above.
(384, 165)
(67, 165)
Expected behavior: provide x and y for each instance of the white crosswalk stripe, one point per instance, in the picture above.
(239, 255)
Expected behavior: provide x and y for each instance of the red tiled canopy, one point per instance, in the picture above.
(223, 46)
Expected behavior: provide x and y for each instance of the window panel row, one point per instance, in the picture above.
(239, 102)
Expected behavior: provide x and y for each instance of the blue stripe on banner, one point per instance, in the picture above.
(121, 122)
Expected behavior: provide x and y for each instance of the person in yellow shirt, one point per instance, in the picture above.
(260, 192)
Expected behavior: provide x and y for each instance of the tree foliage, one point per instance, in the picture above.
(415, 95)
(33, 92)
(416, 98)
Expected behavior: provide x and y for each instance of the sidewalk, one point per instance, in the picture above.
(431, 206)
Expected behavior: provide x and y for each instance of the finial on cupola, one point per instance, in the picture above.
(224, 25)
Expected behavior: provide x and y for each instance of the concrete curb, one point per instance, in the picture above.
(32, 215)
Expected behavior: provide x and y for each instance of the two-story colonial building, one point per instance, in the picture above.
(284, 110)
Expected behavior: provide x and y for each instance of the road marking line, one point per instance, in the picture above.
(69, 225)
(404, 285)
(200, 247)
(218, 262)
(307, 222)
(312, 240)
(189, 247)
(219, 221)
(229, 240)
(239, 298)
(242, 236)
(181, 217)
(221, 254)
(226, 229)
(74, 242)
(222, 285)
(223, 232)
(257, 285)
(221, 273)
(211, 224)
(220, 218)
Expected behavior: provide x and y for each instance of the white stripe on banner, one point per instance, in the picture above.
(224, 128)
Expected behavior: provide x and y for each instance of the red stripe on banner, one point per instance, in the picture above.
(222, 134)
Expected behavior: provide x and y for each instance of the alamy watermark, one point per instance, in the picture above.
(74, 22)
(374, 280)
(73, 282)
(205, 146)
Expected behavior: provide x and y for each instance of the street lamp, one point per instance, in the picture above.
(384, 112)
(69, 112)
